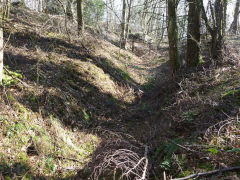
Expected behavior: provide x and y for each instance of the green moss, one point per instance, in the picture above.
(85, 115)
(8, 178)
(56, 35)
(150, 84)
(213, 150)
(50, 165)
(206, 166)
(185, 173)
(189, 115)
(169, 148)
(124, 74)
(110, 101)
(201, 61)
(122, 55)
(23, 157)
(8, 80)
(233, 93)
(129, 58)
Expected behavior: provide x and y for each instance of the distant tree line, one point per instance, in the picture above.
(155, 21)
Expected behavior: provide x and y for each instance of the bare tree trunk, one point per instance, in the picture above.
(218, 26)
(160, 28)
(183, 22)
(144, 17)
(8, 6)
(220, 6)
(123, 26)
(107, 9)
(128, 18)
(111, 16)
(39, 5)
(224, 17)
(69, 10)
(2, 8)
(193, 36)
(234, 25)
(173, 35)
(151, 19)
(1, 55)
(80, 16)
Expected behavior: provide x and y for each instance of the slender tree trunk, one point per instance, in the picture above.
(161, 29)
(193, 36)
(150, 22)
(173, 35)
(1, 55)
(214, 43)
(112, 17)
(39, 5)
(219, 13)
(1, 39)
(225, 3)
(234, 25)
(8, 7)
(69, 10)
(128, 18)
(107, 9)
(218, 26)
(144, 17)
(123, 26)
(80, 16)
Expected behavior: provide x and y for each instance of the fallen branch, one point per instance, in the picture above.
(146, 164)
(69, 159)
(209, 173)
(14, 77)
(183, 147)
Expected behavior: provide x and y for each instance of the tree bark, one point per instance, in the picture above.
(220, 8)
(217, 30)
(225, 3)
(128, 18)
(234, 25)
(173, 35)
(69, 10)
(1, 55)
(193, 35)
(2, 8)
(144, 17)
(80, 16)
(123, 26)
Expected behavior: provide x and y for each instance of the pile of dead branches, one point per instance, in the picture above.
(120, 156)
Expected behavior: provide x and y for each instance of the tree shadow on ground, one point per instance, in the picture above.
(72, 93)
(32, 41)
(63, 92)
(203, 106)
(21, 170)
(66, 94)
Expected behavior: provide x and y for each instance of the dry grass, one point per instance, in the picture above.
(48, 128)
(203, 131)
(84, 113)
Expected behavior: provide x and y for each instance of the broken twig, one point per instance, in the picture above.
(25, 84)
(209, 173)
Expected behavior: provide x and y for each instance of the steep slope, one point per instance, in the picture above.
(72, 107)
(198, 124)
(57, 90)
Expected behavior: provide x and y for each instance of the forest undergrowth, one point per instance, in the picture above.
(80, 107)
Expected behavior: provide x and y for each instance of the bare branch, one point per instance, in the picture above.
(209, 173)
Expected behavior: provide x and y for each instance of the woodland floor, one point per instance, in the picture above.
(67, 106)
